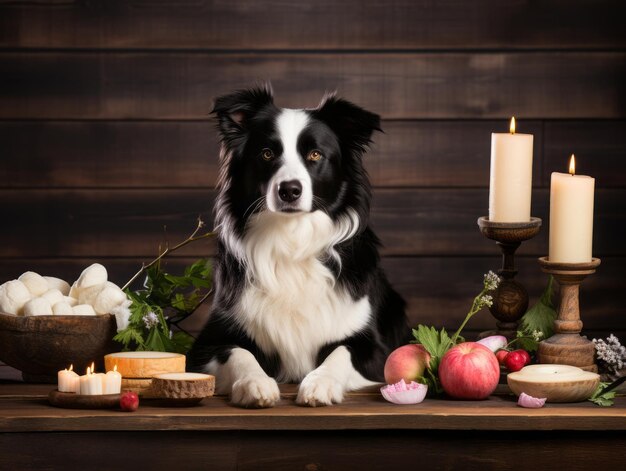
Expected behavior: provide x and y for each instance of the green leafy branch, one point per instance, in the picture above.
(164, 301)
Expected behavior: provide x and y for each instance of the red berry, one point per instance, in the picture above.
(129, 401)
(515, 361)
(501, 355)
(526, 356)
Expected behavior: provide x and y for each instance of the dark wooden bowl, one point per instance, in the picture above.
(40, 346)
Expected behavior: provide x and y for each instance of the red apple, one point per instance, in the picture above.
(407, 362)
(469, 371)
(129, 402)
(501, 355)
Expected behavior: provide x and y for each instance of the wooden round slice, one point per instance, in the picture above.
(183, 386)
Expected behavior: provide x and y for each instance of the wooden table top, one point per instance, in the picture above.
(24, 408)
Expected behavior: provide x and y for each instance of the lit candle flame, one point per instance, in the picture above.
(88, 371)
(71, 367)
(512, 126)
(572, 165)
(115, 367)
(93, 367)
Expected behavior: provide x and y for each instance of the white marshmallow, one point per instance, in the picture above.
(83, 310)
(57, 283)
(74, 291)
(13, 295)
(35, 283)
(89, 295)
(110, 297)
(71, 301)
(62, 309)
(53, 296)
(38, 307)
(93, 275)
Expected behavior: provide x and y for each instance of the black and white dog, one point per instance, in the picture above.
(299, 292)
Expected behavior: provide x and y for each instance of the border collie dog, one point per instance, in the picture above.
(299, 292)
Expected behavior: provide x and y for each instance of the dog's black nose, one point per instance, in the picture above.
(289, 191)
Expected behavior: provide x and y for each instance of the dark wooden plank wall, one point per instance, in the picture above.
(105, 135)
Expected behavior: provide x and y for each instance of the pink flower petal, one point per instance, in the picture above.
(402, 393)
(531, 402)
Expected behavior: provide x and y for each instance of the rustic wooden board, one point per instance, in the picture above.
(365, 412)
(438, 290)
(134, 85)
(322, 450)
(101, 222)
(147, 154)
(108, 154)
(248, 24)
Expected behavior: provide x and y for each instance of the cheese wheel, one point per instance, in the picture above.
(145, 364)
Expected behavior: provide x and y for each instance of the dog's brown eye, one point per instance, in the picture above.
(267, 154)
(314, 155)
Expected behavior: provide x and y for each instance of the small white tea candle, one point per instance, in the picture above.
(112, 382)
(511, 175)
(571, 216)
(68, 380)
(90, 383)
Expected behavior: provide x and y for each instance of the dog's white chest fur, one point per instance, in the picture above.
(291, 306)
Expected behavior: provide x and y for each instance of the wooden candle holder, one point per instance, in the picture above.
(567, 346)
(510, 301)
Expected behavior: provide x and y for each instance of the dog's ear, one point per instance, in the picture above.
(235, 109)
(352, 124)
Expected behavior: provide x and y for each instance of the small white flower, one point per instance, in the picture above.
(486, 300)
(610, 353)
(150, 320)
(536, 335)
(491, 281)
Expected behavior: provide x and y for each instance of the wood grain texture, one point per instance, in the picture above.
(181, 85)
(108, 154)
(357, 412)
(312, 451)
(325, 24)
(131, 154)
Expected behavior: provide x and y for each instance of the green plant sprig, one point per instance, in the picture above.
(437, 343)
(192, 238)
(165, 300)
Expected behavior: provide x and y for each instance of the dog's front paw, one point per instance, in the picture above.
(319, 390)
(255, 391)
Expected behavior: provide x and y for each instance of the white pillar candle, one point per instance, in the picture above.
(510, 180)
(68, 381)
(112, 382)
(102, 378)
(90, 383)
(571, 216)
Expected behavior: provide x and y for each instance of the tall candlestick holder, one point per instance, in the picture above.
(510, 300)
(567, 346)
